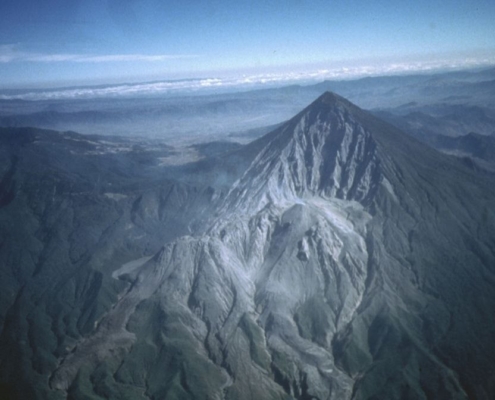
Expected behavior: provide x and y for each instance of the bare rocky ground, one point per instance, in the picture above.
(333, 258)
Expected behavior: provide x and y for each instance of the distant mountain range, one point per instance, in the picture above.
(334, 257)
(452, 104)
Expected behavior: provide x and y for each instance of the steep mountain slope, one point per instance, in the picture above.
(345, 261)
(72, 209)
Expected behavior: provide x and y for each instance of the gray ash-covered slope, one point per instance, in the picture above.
(72, 209)
(345, 261)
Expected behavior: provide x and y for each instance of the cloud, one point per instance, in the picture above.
(241, 82)
(80, 58)
(10, 53)
(7, 52)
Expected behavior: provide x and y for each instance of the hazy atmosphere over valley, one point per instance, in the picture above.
(247, 200)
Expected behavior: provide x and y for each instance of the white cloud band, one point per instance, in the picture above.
(10, 53)
(237, 82)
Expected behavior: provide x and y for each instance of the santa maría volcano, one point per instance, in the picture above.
(333, 258)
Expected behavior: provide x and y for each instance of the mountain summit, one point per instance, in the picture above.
(347, 261)
(323, 151)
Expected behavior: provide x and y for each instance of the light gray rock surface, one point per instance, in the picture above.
(345, 261)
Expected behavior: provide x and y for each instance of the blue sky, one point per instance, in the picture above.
(64, 42)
